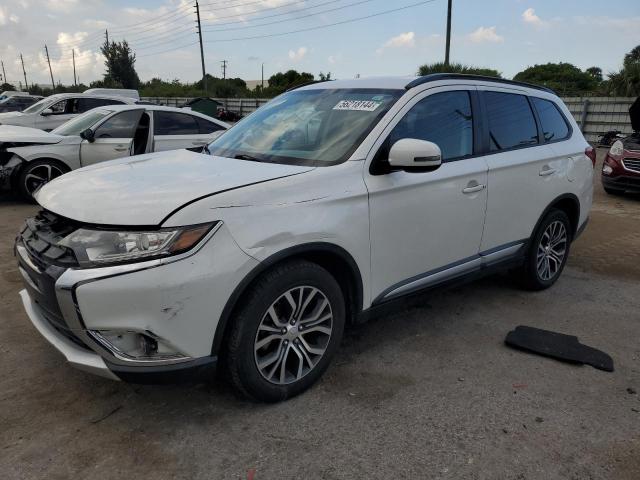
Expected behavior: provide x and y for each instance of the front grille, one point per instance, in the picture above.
(60, 325)
(632, 164)
(41, 235)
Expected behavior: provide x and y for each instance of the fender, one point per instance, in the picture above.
(298, 251)
(566, 196)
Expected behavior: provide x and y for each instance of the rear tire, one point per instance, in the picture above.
(285, 334)
(548, 252)
(35, 174)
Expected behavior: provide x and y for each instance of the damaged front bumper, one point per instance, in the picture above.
(146, 322)
(8, 163)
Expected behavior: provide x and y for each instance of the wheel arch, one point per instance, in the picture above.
(15, 174)
(569, 204)
(336, 260)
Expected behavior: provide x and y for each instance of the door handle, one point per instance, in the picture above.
(121, 149)
(473, 188)
(546, 171)
(198, 143)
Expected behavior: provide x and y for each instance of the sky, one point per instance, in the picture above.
(507, 35)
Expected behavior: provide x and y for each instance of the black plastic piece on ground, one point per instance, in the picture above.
(558, 346)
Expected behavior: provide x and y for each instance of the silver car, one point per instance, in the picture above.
(30, 158)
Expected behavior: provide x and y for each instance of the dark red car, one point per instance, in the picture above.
(621, 167)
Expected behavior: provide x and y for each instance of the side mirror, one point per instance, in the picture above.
(46, 112)
(411, 154)
(88, 135)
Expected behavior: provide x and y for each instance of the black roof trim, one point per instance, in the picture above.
(306, 84)
(434, 77)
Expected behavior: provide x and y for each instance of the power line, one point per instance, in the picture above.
(354, 4)
(242, 20)
(378, 14)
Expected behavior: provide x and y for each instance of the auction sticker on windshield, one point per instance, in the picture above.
(357, 105)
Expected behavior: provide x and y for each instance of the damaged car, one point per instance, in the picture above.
(29, 157)
(328, 202)
(621, 166)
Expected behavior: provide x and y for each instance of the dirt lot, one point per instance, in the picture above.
(428, 392)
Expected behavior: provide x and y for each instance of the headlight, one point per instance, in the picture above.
(105, 247)
(616, 149)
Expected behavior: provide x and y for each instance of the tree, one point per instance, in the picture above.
(626, 82)
(325, 77)
(565, 78)
(7, 87)
(120, 61)
(632, 57)
(595, 72)
(281, 82)
(441, 67)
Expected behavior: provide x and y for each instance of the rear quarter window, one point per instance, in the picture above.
(554, 125)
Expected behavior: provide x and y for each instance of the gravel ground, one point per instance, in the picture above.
(427, 392)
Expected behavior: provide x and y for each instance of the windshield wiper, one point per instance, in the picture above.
(249, 157)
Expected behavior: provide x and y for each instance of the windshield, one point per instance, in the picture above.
(36, 107)
(307, 127)
(81, 122)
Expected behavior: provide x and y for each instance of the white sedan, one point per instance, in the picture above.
(30, 157)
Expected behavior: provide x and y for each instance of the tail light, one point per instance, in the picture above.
(591, 153)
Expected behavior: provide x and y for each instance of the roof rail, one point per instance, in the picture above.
(434, 77)
(313, 82)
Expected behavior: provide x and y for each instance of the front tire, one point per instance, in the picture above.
(35, 174)
(285, 334)
(548, 252)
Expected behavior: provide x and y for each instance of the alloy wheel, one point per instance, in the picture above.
(293, 335)
(39, 175)
(552, 250)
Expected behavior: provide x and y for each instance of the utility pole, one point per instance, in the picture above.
(73, 52)
(263, 76)
(26, 85)
(106, 34)
(224, 69)
(4, 74)
(448, 48)
(204, 73)
(53, 84)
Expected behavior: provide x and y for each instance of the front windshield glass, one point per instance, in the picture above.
(36, 107)
(81, 122)
(307, 127)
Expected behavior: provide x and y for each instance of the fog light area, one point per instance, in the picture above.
(607, 170)
(136, 345)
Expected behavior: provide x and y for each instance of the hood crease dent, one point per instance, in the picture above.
(147, 190)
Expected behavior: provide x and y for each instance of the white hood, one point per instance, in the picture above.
(147, 189)
(14, 134)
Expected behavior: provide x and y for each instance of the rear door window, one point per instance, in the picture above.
(511, 121)
(173, 123)
(554, 126)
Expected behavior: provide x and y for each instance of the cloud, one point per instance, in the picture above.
(5, 17)
(529, 16)
(485, 34)
(404, 40)
(297, 55)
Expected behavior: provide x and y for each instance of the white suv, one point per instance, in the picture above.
(330, 200)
